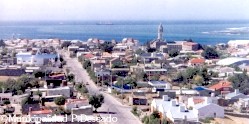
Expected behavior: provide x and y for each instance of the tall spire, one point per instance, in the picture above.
(160, 32)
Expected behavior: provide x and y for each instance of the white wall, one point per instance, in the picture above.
(209, 110)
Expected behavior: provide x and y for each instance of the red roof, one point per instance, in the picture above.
(88, 56)
(45, 111)
(189, 43)
(57, 75)
(198, 100)
(197, 61)
(220, 85)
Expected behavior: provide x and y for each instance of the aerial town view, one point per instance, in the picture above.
(124, 62)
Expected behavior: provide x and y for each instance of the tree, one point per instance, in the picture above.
(107, 47)
(60, 100)
(71, 77)
(96, 101)
(241, 82)
(154, 118)
(180, 78)
(117, 65)
(198, 80)
(139, 51)
(65, 44)
(86, 64)
(173, 53)
(39, 73)
(2, 44)
(210, 53)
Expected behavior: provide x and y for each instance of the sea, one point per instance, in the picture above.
(203, 32)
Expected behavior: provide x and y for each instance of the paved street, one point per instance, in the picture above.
(111, 105)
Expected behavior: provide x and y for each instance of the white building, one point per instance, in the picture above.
(173, 110)
(208, 109)
(27, 58)
(157, 85)
(238, 43)
(236, 95)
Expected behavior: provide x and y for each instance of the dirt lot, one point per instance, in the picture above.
(4, 78)
(232, 120)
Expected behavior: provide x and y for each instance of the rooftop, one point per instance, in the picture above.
(220, 85)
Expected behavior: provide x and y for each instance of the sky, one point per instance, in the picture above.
(19, 10)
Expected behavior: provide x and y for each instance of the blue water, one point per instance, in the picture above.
(204, 32)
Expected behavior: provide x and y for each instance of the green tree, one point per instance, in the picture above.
(39, 73)
(71, 77)
(65, 44)
(96, 101)
(86, 64)
(2, 44)
(241, 82)
(198, 80)
(210, 53)
(60, 100)
(180, 78)
(173, 53)
(107, 47)
(139, 51)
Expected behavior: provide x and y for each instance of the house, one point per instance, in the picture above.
(64, 91)
(190, 46)
(192, 101)
(208, 109)
(14, 99)
(235, 96)
(238, 43)
(86, 110)
(97, 63)
(75, 103)
(242, 105)
(226, 71)
(222, 88)
(72, 48)
(12, 71)
(173, 110)
(138, 98)
(203, 91)
(159, 85)
(196, 62)
(38, 59)
(106, 55)
(88, 56)
(130, 42)
(174, 46)
(115, 61)
(40, 113)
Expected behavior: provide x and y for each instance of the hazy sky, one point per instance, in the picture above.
(124, 9)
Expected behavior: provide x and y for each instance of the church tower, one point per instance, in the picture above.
(160, 32)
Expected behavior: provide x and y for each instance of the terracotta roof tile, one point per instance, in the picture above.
(197, 60)
(45, 111)
(220, 85)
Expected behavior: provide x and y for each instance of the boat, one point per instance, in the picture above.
(104, 23)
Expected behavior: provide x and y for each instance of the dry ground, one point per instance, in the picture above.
(4, 78)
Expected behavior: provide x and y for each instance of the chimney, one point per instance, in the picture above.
(236, 91)
(212, 95)
(165, 98)
(182, 108)
(173, 103)
(30, 109)
(208, 100)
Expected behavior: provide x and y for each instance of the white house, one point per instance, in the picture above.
(159, 85)
(236, 95)
(208, 109)
(173, 110)
(27, 58)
